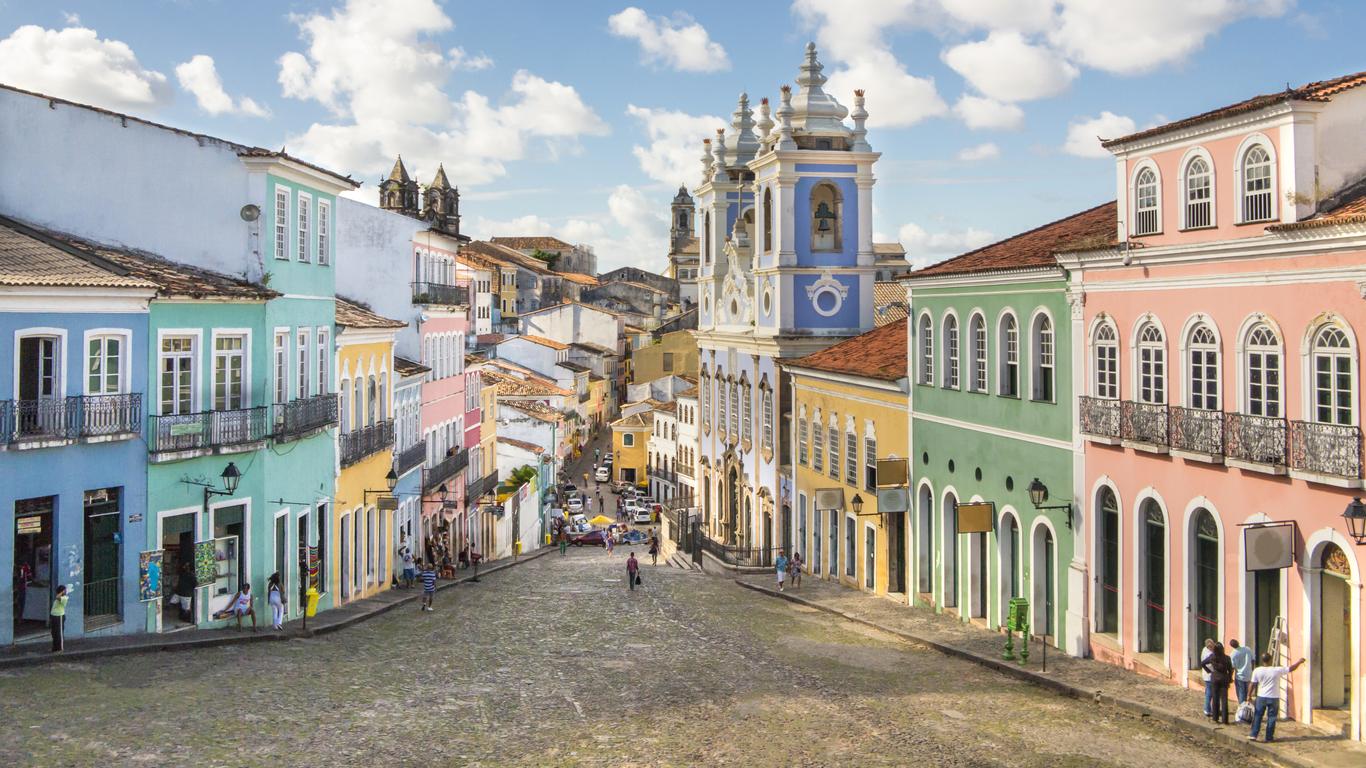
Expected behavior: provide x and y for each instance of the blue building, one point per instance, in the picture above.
(73, 464)
(787, 265)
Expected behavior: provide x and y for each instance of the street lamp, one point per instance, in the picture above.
(231, 477)
(857, 504)
(1355, 515)
(1038, 494)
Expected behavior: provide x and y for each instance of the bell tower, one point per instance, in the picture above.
(680, 216)
(398, 193)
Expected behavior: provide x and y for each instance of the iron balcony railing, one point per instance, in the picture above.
(298, 417)
(438, 293)
(1197, 430)
(1327, 449)
(367, 441)
(1099, 416)
(63, 418)
(410, 457)
(685, 470)
(483, 485)
(444, 470)
(1256, 439)
(1144, 422)
(207, 429)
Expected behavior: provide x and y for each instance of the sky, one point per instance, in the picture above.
(582, 119)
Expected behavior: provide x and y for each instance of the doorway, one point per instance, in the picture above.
(816, 542)
(102, 537)
(33, 564)
(1008, 565)
(1266, 608)
(950, 551)
(345, 560)
(301, 581)
(977, 572)
(924, 545)
(282, 550)
(177, 560)
(787, 528)
(834, 542)
(1153, 565)
(1333, 660)
(1043, 581)
(1207, 585)
(896, 552)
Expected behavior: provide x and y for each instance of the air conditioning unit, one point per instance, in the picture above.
(830, 498)
(1267, 547)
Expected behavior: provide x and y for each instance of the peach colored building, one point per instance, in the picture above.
(1218, 372)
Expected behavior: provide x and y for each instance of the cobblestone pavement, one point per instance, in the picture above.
(555, 662)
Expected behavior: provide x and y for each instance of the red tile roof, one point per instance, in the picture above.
(1321, 91)
(1033, 249)
(405, 367)
(578, 277)
(877, 354)
(1348, 206)
(524, 445)
(353, 314)
(542, 242)
(541, 340)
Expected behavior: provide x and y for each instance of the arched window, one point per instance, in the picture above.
(734, 388)
(850, 452)
(383, 402)
(768, 220)
(1043, 363)
(1202, 371)
(704, 396)
(1199, 210)
(1107, 614)
(802, 437)
(1152, 578)
(1333, 377)
(1105, 357)
(826, 216)
(345, 405)
(926, 350)
(1257, 196)
(1207, 582)
(977, 351)
(1145, 203)
(722, 403)
(950, 352)
(869, 456)
(1152, 365)
(358, 401)
(1262, 372)
(706, 237)
(817, 443)
(1008, 354)
(746, 409)
(766, 414)
(833, 433)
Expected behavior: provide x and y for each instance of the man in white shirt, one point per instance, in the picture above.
(1266, 680)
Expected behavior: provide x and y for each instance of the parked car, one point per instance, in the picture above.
(575, 504)
(642, 515)
(595, 538)
(602, 475)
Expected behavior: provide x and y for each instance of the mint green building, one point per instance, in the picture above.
(991, 340)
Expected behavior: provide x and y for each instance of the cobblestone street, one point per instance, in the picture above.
(555, 662)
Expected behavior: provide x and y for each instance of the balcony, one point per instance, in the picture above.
(437, 293)
(215, 431)
(483, 485)
(1326, 453)
(684, 470)
(297, 418)
(1100, 418)
(1197, 433)
(1255, 442)
(410, 458)
(1143, 426)
(367, 441)
(444, 470)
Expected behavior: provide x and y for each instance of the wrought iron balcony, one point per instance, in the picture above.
(1099, 416)
(1144, 422)
(67, 418)
(410, 457)
(483, 485)
(1255, 439)
(45, 419)
(1326, 449)
(299, 417)
(207, 430)
(444, 470)
(1197, 430)
(684, 470)
(367, 441)
(438, 293)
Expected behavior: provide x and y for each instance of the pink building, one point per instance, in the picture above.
(1221, 408)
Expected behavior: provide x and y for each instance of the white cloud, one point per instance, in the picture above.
(1019, 15)
(71, 19)
(987, 151)
(979, 113)
(199, 76)
(75, 64)
(461, 60)
(374, 64)
(1083, 136)
(679, 43)
(673, 156)
(926, 248)
(1006, 68)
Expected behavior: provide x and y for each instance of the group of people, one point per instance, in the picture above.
(1257, 687)
(788, 569)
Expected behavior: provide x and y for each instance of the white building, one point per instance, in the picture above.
(661, 452)
(686, 445)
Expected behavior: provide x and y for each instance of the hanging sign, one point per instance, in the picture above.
(149, 575)
(891, 473)
(976, 517)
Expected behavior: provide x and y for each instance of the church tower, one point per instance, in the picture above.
(398, 193)
(680, 214)
(442, 206)
(784, 221)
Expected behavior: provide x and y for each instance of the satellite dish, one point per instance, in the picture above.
(250, 212)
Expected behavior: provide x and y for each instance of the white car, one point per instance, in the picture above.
(641, 515)
(602, 475)
(575, 504)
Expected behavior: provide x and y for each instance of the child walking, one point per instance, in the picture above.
(428, 585)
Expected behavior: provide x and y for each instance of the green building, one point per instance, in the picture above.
(991, 358)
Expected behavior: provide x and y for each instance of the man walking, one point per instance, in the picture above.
(1267, 680)
(1243, 659)
(780, 565)
(632, 571)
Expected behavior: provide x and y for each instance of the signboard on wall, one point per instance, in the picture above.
(388, 503)
(1269, 547)
(829, 498)
(976, 517)
(891, 473)
(149, 576)
(893, 500)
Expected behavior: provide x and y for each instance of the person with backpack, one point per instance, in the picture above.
(1220, 670)
(632, 571)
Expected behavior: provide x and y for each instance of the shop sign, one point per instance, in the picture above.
(136, 517)
(976, 517)
(26, 525)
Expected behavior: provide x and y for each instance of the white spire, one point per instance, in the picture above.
(706, 160)
(814, 110)
(765, 124)
(743, 145)
(860, 132)
(785, 119)
(718, 151)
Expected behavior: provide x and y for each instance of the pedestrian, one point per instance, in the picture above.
(1267, 680)
(240, 605)
(608, 541)
(654, 550)
(428, 585)
(1243, 660)
(564, 541)
(183, 598)
(275, 597)
(1220, 670)
(780, 566)
(632, 571)
(794, 567)
(409, 566)
(1204, 673)
(56, 619)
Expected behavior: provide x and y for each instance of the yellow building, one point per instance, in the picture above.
(849, 410)
(361, 533)
(675, 354)
(488, 452)
(629, 437)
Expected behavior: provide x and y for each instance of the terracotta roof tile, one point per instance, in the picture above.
(505, 255)
(578, 277)
(689, 392)
(1033, 249)
(1348, 206)
(543, 242)
(29, 257)
(889, 302)
(537, 411)
(541, 340)
(877, 354)
(353, 314)
(511, 386)
(888, 249)
(405, 367)
(575, 367)
(635, 420)
(523, 444)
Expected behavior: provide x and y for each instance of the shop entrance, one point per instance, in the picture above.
(177, 564)
(977, 573)
(1333, 650)
(101, 588)
(33, 564)
(230, 554)
(1266, 607)
(896, 552)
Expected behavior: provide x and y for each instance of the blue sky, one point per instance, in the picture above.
(580, 119)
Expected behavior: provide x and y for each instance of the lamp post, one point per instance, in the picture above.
(1355, 516)
(1038, 494)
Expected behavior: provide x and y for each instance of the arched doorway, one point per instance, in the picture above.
(1043, 581)
(1008, 557)
(924, 572)
(1332, 676)
(1152, 576)
(977, 575)
(748, 540)
(1107, 562)
(1206, 584)
(950, 550)
(732, 505)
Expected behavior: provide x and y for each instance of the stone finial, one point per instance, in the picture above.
(706, 159)
(785, 119)
(744, 145)
(718, 151)
(765, 124)
(860, 132)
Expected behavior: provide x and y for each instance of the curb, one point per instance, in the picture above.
(32, 660)
(1228, 737)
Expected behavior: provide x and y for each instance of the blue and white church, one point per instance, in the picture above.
(785, 232)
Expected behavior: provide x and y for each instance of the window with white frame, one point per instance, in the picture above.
(305, 226)
(1105, 362)
(734, 388)
(746, 400)
(358, 401)
(802, 437)
(1199, 208)
(176, 366)
(324, 232)
(817, 443)
(324, 350)
(1202, 374)
(722, 403)
(281, 359)
(1152, 365)
(950, 352)
(766, 413)
(833, 433)
(1008, 353)
(704, 399)
(628, 440)
(281, 223)
(851, 452)
(229, 382)
(1333, 377)
(344, 403)
(372, 401)
(301, 356)
(926, 350)
(1043, 348)
(869, 456)
(1146, 202)
(1256, 192)
(383, 404)
(104, 369)
(1263, 372)
(977, 350)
